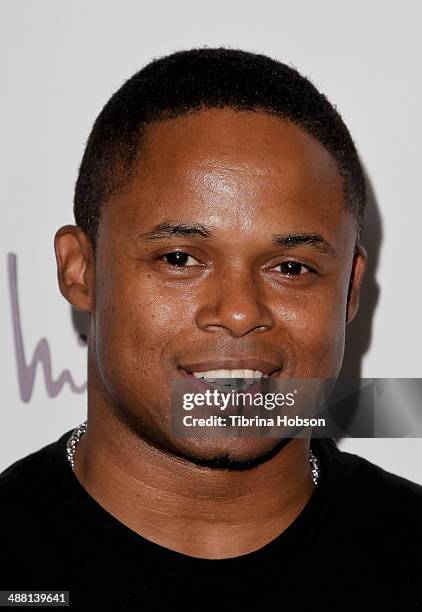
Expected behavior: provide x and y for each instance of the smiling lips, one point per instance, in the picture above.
(233, 364)
(225, 377)
(231, 373)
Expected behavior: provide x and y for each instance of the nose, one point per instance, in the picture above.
(234, 303)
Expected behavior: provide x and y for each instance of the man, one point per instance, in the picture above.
(218, 209)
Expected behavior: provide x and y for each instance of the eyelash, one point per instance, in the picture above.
(181, 267)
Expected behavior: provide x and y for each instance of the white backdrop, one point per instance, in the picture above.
(60, 62)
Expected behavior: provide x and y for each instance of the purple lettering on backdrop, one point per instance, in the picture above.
(42, 355)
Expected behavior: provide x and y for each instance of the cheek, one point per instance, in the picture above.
(315, 327)
(136, 323)
(158, 314)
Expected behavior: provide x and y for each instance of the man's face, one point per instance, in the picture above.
(240, 178)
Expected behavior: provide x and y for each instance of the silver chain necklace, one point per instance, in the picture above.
(81, 429)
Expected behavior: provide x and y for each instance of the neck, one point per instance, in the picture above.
(198, 511)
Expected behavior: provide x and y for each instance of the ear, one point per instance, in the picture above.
(358, 268)
(75, 267)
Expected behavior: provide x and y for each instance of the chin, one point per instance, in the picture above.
(228, 453)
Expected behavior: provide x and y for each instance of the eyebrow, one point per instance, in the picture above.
(169, 229)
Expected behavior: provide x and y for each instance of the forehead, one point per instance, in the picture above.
(261, 146)
(250, 169)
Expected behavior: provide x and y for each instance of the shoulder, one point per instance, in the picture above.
(30, 517)
(27, 482)
(376, 481)
(29, 501)
(380, 498)
(22, 474)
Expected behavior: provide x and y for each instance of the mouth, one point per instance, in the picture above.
(227, 379)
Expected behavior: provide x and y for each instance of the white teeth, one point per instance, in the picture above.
(241, 373)
(213, 375)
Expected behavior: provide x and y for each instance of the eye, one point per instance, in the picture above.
(179, 259)
(294, 268)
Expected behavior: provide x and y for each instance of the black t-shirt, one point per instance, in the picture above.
(356, 545)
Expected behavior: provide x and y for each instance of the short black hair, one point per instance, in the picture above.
(205, 78)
